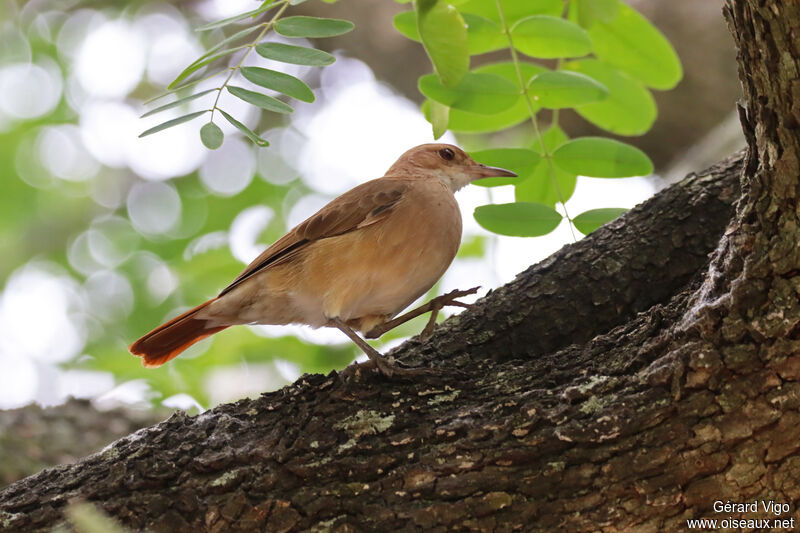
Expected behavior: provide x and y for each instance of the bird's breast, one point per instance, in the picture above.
(381, 268)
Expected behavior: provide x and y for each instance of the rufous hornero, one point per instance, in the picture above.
(353, 265)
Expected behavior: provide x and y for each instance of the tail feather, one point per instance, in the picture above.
(168, 340)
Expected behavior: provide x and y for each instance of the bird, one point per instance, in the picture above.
(353, 265)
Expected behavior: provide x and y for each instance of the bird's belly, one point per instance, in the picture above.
(370, 272)
(340, 277)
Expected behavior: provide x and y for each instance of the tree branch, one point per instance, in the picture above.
(351, 450)
(675, 381)
(588, 287)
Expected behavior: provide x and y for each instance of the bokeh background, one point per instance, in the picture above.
(104, 235)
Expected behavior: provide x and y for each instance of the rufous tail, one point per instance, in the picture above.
(168, 340)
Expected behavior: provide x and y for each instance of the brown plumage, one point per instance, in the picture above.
(168, 340)
(354, 264)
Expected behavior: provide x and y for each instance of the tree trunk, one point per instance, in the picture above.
(624, 384)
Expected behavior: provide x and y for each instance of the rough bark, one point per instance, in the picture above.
(584, 289)
(544, 417)
(423, 453)
(33, 438)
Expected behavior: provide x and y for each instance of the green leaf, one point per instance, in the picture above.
(633, 45)
(278, 81)
(550, 37)
(599, 157)
(250, 134)
(540, 187)
(518, 160)
(173, 122)
(464, 121)
(230, 39)
(588, 221)
(439, 116)
(184, 86)
(560, 89)
(179, 101)
(200, 63)
(313, 27)
(520, 219)
(591, 10)
(212, 136)
(483, 35)
(629, 108)
(477, 92)
(296, 55)
(406, 23)
(513, 10)
(444, 35)
(551, 139)
(241, 16)
(261, 100)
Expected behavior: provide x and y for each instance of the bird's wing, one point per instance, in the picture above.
(361, 206)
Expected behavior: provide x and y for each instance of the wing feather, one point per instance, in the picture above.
(359, 207)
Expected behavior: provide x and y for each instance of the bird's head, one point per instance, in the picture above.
(445, 162)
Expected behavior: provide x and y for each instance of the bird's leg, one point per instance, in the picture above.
(434, 306)
(384, 365)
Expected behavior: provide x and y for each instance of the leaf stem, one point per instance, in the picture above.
(554, 117)
(249, 47)
(545, 151)
(186, 86)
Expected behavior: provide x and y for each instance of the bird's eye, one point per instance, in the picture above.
(447, 154)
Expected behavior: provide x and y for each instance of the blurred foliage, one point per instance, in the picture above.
(48, 220)
(84, 226)
(245, 41)
(88, 518)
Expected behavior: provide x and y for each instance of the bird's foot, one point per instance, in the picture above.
(433, 306)
(390, 368)
(442, 301)
(385, 365)
(450, 298)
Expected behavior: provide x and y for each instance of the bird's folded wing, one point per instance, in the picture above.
(361, 206)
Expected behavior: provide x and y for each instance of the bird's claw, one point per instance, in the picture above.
(433, 307)
(392, 369)
(438, 303)
(458, 293)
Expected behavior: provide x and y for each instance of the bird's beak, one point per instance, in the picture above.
(479, 171)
